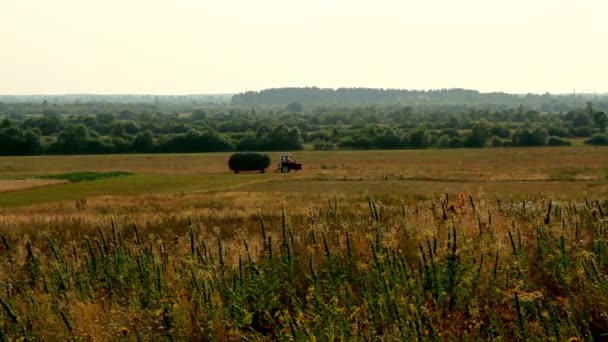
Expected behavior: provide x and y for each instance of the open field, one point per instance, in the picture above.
(501, 244)
(564, 172)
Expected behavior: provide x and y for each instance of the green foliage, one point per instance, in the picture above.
(144, 142)
(600, 120)
(536, 136)
(582, 119)
(15, 141)
(311, 276)
(322, 145)
(496, 141)
(597, 139)
(419, 138)
(500, 131)
(95, 128)
(480, 133)
(46, 124)
(295, 107)
(557, 141)
(388, 139)
(248, 161)
(196, 141)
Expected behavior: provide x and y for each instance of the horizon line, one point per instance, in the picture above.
(302, 87)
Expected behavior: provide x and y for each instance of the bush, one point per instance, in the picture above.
(558, 131)
(496, 141)
(536, 136)
(444, 141)
(597, 139)
(581, 131)
(557, 141)
(322, 145)
(456, 142)
(248, 161)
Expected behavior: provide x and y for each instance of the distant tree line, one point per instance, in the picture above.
(365, 96)
(44, 128)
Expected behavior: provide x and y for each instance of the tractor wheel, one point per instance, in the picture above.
(285, 169)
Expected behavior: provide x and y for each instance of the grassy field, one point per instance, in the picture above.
(492, 244)
(562, 172)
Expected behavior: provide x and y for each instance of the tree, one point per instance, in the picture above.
(480, 133)
(117, 129)
(198, 114)
(536, 136)
(47, 124)
(104, 118)
(143, 142)
(388, 139)
(6, 123)
(419, 138)
(322, 145)
(597, 139)
(284, 138)
(581, 119)
(74, 138)
(131, 127)
(600, 120)
(15, 141)
(295, 107)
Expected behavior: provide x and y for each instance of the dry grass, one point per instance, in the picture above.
(564, 172)
(342, 266)
(8, 185)
(482, 305)
(452, 164)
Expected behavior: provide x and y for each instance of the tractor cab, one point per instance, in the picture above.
(287, 164)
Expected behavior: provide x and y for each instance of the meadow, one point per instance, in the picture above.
(465, 244)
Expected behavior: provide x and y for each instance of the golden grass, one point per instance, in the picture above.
(8, 185)
(563, 172)
(164, 221)
(173, 196)
(457, 164)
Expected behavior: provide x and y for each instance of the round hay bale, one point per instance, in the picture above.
(248, 161)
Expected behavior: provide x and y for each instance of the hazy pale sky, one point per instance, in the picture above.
(227, 46)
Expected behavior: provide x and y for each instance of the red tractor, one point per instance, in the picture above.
(287, 164)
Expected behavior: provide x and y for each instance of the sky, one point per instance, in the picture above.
(230, 46)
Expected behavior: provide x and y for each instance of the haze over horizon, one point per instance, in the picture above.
(209, 47)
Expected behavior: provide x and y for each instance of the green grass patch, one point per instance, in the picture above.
(77, 177)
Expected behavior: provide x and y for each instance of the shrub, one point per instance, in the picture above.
(557, 141)
(248, 161)
(456, 142)
(322, 145)
(597, 139)
(444, 141)
(496, 141)
(536, 136)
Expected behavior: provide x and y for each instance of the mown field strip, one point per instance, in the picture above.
(9, 185)
(128, 186)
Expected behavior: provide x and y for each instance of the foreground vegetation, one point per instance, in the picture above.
(508, 244)
(451, 267)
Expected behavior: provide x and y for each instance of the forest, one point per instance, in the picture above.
(296, 118)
